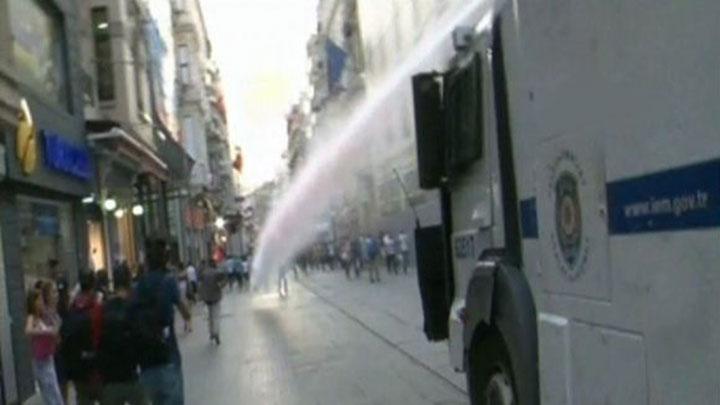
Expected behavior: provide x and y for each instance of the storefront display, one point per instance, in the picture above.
(46, 233)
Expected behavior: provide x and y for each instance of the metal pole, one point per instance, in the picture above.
(407, 197)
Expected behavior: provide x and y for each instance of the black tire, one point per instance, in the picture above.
(490, 377)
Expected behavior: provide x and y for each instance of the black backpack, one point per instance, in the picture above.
(118, 354)
(151, 324)
(76, 344)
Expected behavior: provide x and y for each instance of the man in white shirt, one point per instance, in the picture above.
(404, 250)
(192, 281)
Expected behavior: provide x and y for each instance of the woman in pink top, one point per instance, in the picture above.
(43, 334)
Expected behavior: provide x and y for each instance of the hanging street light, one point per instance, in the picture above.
(110, 204)
(138, 210)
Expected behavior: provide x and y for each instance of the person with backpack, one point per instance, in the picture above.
(80, 334)
(153, 306)
(119, 347)
(43, 334)
(211, 293)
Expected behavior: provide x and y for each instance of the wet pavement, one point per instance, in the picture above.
(332, 341)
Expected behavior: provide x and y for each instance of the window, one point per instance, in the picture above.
(463, 125)
(184, 64)
(38, 47)
(140, 78)
(178, 5)
(45, 234)
(103, 54)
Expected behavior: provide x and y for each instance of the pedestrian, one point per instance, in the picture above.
(119, 347)
(390, 251)
(283, 291)
(373, 258)
(43, 335)
(364, 254)
(102, 282)
(345, 258)
(182, 279)
(404, 251)
(246, 271)
(192, 278)
(79, 335)
(155, 297)
(213, 281)
(357, 256)
(331, 259)
(61, 308)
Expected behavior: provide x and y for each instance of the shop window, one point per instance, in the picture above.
(38, 47)
(184, 64)
(103, 54)
(46, 233)
(140, 78)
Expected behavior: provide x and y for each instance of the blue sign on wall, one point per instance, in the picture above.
(65, 157)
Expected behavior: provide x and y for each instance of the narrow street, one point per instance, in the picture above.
(333, 341)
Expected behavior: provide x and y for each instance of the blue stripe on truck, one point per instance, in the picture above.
(677, 199)
(529, 218)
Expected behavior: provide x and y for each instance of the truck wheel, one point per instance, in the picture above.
(490, 378)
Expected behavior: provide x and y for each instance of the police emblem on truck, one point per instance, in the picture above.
(569, 242)
(568, 217)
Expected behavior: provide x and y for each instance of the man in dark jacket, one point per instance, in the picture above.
(119, 349)
(211, 292)
(155, 298)
(80, 335)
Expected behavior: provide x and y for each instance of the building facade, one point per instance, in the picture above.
(45, 167)
(366, 40)
(130, 201)
(390, 31)
(204, 133)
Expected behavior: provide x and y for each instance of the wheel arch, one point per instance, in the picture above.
(499, 299)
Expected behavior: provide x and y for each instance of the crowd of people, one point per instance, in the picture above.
(359, 254)
(115, 342)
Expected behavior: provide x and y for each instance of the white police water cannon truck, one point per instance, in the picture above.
(576, 149)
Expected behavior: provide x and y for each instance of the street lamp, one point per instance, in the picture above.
(220, 223)
(138, 210)
(119, 213)
(110, 204)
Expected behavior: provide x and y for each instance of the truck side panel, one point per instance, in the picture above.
(615, 119)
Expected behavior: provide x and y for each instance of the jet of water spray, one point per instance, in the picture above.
(291, 224)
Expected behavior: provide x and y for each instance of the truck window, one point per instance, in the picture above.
(463, 119)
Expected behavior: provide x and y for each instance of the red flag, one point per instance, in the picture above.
(238, 163)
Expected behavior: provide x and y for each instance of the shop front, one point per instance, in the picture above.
(44, 171)
(130, 197)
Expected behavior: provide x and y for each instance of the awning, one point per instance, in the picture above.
(135, 152)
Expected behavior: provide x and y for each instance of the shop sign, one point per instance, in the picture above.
(26, 139)
(65, 157)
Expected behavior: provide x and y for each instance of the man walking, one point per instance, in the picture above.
(192, 278)
(79, 334)
(118, 352)
(404, 251)
(211, 293)
(390, 251)
(155, 298)
(373, 250)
